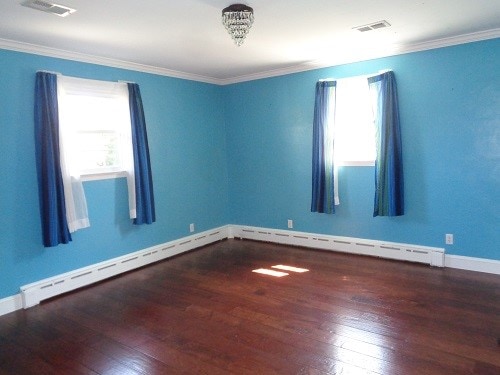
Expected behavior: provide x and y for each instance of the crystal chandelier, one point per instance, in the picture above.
(237, 19)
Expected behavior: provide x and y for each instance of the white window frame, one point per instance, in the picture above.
(118, 92)
(368, 112)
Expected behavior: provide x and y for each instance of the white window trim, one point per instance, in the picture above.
(105, 88)
(354, 162)
(126, 169)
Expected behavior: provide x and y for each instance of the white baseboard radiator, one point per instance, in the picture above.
(34, 293)
(390, 250)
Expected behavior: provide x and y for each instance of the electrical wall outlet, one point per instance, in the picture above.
(191, 227)
(449, 239)
(290, 224)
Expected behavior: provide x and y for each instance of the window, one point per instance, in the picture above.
(95, 127)
(80, 126)
(382, 94)
(354, 130)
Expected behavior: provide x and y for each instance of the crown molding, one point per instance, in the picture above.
(99, 60)
(311, 65)
(393, 51)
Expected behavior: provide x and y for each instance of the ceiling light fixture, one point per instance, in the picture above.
(237, 19)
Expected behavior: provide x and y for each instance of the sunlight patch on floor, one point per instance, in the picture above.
(290, 268)
(266, 271)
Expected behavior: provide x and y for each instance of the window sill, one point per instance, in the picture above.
(355, 163)
(103, 176)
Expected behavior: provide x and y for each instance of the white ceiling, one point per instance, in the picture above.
(185, 38)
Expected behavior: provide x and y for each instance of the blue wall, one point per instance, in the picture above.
(450, 119)
(188, 155)
(241, 154)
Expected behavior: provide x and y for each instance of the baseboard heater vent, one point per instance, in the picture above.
(413, 253)
(34, 293)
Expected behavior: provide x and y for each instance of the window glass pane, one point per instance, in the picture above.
(95, 128)
(95, 123)
(354, 127)
(97, 150)
(92, 113)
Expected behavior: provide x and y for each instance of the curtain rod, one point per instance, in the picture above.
(359, 76)
(60, 74)
(48, 71)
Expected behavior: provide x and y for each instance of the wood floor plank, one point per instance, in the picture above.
(206, 312)
(16, 359)
(129, 357)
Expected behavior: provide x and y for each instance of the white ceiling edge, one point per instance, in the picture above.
(396, 50)
(98, 60)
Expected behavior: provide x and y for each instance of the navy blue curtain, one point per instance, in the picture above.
(389, 183)
(145, 205)
(323, 199)
(50, 184)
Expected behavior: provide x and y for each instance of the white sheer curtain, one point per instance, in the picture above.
(74, 196)
(69, 124)
(330, 148)
(126, 150)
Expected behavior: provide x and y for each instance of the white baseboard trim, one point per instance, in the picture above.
(32, 294)
(36, 292)
(10, 304)
(390, 250)
(473, 264)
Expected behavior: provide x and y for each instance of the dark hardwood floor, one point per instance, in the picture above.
(206, 312)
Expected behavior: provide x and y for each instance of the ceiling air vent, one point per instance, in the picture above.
(58, 10)
(372, 26)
